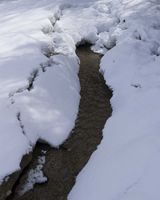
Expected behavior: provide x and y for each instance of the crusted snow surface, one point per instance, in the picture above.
(126, 164)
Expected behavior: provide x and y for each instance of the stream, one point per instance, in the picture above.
(64, 164)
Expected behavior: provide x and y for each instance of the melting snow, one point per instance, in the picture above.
(34, 176)
(41, 36)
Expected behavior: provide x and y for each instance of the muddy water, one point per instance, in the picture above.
(63, 164)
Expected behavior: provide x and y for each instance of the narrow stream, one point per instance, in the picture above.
(63, 164)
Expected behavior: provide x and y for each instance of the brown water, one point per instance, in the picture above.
(63, 164)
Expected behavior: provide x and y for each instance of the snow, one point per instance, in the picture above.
(126, 164)
(39, 70)
(48, 110)
(39, 87)
(39, 95)
(35, 176)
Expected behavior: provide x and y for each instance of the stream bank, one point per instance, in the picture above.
(63, 165)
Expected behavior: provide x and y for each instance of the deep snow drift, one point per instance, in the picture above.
(126, 164)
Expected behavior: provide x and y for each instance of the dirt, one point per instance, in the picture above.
(63, 165)
(5, 188)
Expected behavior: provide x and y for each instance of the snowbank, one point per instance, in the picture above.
(126, 164)
(39, 83)
(39, 90)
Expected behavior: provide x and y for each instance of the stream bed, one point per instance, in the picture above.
(64, 164)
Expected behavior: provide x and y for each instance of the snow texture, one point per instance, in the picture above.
(40, 90)
(126, 164)
(35, 176)
(39, 86)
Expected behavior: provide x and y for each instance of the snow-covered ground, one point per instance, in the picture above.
(39, 90)
(126, 164)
